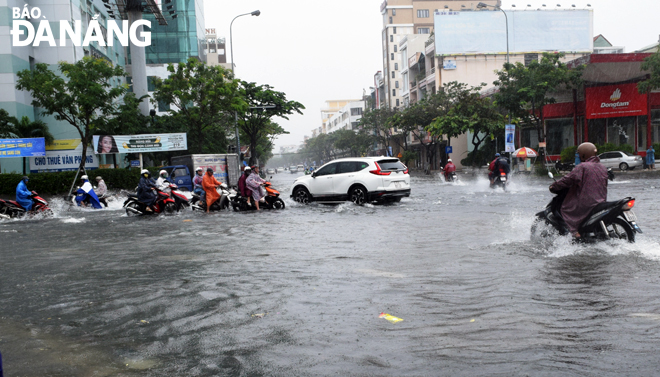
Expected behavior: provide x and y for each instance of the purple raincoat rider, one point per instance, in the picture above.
(587, 187)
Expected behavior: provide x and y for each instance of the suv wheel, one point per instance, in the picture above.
(301, 195)
(358, 195)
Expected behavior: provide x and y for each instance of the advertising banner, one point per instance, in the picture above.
(59, 159)
(485, 32)
(217, 163)
(22, 147)
(509, 138)
(108, 144)
(615, 101)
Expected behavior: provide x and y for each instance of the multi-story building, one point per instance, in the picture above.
(14, 58)
(331, 110)
(347, 118)
(215, 49)
(402, 18)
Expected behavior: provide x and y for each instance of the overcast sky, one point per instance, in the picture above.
(314, 53)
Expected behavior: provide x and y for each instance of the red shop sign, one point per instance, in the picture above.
(615, 101)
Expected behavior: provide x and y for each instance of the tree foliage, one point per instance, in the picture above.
(525, 90)
(652, 64)
(263, 104)
(379, 120)
(81, 96)
(204, 96)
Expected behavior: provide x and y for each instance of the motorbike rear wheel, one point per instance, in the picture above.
(622, 230)
(135, 206)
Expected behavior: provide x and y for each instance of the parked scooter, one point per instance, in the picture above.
(11, 208)
(608, 220)
(272, 200)
(164, 204)
(218, 205)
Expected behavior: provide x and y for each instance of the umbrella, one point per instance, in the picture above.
(525, 152)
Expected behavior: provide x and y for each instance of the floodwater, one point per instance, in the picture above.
(298, 292)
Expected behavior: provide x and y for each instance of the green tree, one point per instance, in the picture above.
(468, 111)
(204, 96)
(81, 96)
(263, 105)
(380, 121)
(525, 90)
(6, 126)
(652, 64)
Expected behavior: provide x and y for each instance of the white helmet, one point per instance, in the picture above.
(84, 177)
(198, 169)
(449, 160)
(162, 172)
(144, 171)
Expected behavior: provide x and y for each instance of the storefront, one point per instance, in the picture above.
(607, 109)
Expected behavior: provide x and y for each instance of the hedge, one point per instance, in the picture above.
(60, 182)
(568, 154)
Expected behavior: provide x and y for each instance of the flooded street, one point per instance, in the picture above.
(298, 292)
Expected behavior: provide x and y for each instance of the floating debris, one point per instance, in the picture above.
(390, 318)
(259, 315)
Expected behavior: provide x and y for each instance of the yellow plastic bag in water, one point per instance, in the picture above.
(390, 318)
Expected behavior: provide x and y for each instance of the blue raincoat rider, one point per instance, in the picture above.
(146, 188)
(23, 195)
(86, 193)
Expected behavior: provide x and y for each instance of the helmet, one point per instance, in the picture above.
(247, 168)
(25, 178)
(162, 172)
(449, 160)
(497, 155)
(99, 178)
(209, 170)
(198, 169)
(586, 151)
(84, 177)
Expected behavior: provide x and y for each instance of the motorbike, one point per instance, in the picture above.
(500, 180)
(218, 205)
(164, 204)
(11, 208)
(451, 177)
(608, 220)
(559, 166)
(272, 200)
(180, 200)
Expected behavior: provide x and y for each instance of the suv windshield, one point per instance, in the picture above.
(391, 164)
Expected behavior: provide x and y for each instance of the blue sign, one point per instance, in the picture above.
(509, 131)
(135, 163)
(448, 149)
(32, 147)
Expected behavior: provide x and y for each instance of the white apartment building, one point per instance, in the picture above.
(347, 118)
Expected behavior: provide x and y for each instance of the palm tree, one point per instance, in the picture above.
(25, 128)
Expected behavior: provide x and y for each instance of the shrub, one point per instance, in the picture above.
(568, 154)
(60, 182)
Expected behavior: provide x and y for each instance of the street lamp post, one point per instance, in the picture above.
(231, 44)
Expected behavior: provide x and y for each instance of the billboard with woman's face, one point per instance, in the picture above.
(106, 144)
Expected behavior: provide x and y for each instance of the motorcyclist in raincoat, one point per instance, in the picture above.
(23, 195)
(86, 193)
(209, 183)
(146, 189)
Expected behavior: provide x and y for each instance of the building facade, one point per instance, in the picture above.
(216, 50)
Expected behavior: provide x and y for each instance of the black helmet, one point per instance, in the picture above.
(25, 178)
(209, 169)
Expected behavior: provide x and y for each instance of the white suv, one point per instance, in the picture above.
(359, 179)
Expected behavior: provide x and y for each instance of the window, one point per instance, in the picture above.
(391, 38)
(151, 86)
(327, 170)
(351, 166)
(163, 106)
(392, 56)
(180, 172)
(393, 92)
(423, 30)
(395, 47)
(392, 74)
(422, 13)
(397, 102)
(394, 30)
(393, 12)
(355, 111)
(396, 66)
(396, 84)
(390, 19)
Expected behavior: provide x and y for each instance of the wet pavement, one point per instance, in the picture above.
(298, 292)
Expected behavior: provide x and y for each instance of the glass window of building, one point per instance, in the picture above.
(423, 30)
(422, 13)
(393, 12)
(396, 66)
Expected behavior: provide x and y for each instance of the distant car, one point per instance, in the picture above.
(280, 169)
(620, 160)
(293, 169)
(301, 168)
(360, 180)
(270, 171)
